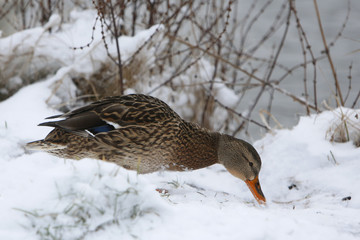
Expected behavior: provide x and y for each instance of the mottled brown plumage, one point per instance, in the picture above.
(142, 133)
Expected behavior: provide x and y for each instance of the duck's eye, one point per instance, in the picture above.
(251, 164)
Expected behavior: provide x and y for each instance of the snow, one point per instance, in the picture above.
(311, 183)
(41, 194)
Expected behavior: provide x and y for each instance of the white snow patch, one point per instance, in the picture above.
(42, 194)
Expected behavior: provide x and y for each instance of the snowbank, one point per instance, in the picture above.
(311, 186)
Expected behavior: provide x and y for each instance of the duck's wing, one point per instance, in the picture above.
(114, 112)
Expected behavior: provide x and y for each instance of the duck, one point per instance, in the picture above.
(142, 133)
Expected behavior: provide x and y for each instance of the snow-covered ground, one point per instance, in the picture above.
(311, 185)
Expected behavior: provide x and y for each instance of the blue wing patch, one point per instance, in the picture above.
(102, 128)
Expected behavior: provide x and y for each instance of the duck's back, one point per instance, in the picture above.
(119, 111)
(133, 131)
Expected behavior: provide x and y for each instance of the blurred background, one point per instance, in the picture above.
(242, 67)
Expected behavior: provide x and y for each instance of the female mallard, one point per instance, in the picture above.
(143, 133)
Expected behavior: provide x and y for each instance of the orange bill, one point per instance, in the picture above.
(254, 186)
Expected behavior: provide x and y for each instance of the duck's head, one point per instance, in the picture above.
(241, 160)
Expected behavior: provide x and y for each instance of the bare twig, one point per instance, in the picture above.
(117, 35)
(349, 89)
(240, 115)
(302, 36)
(356, 99)
(327, 52)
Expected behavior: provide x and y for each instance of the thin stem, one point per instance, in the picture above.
(121, 85)
(327, 52)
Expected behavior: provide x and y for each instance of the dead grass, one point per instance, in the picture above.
(345, 127)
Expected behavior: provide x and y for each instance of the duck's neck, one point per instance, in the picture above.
(199, 148)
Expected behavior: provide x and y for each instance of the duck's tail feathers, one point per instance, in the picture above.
(49, 124)
(44, 145)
